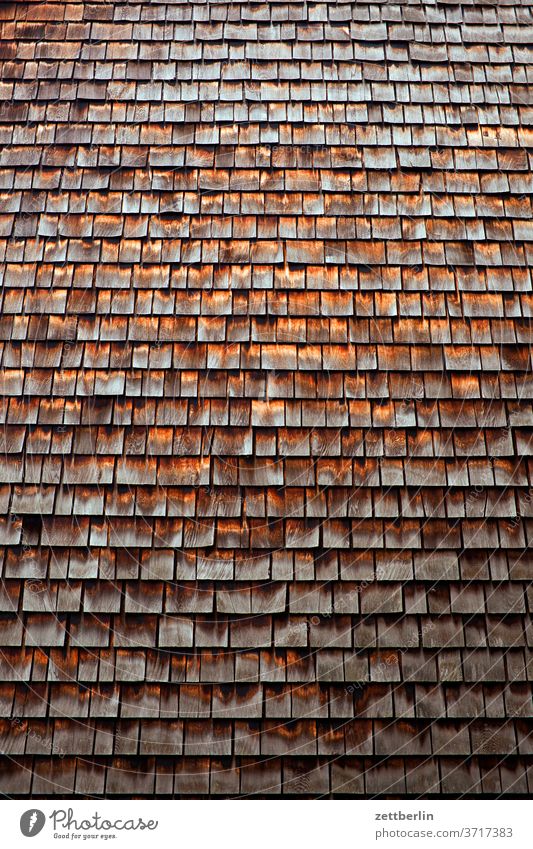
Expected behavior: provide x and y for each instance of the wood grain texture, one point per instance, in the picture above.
(266, 399)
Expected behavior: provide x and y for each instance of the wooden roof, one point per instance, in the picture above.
(266, 397)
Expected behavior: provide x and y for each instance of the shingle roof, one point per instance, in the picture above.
(266, 398)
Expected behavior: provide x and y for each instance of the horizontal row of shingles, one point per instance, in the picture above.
(335, 683)
(240, 441)
(273, 92)
(328, 327)
(216, 303)
(411, 280)
(165, 366)
(491, 243)
(181, 214)
(447, 120)
(163, 433)
(67, 82)
(218, 385)
(479, 500)
(282, 669)
(242, 777)
(452, 311)
(299, 39)
(377, 253)
(297, 502)
(285, 36)
(383, 594)
(417, 674)
(153, 63)
(83, 500)
(483, 656)
(261, 353)
(342, 533)
(199, 174)
(334, 441)
(141, 235)
(328, 215)
(279, 10)
(120, 86)
(46, 347)
(231, 471)
(489, 658)
(365, 565)
(303, 738)
(132, 328)
(324, 198)
(271, 698)
(334, 193)
(93, 414)
(247, 145)
(235, 130)
(255, 356)
(268, 700)
(199, 197)
(325, 599)
(418, 12)
(166, 189)
(335, 13)
(407, 411)
(134, 211)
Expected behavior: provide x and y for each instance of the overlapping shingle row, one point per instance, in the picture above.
(266, 500)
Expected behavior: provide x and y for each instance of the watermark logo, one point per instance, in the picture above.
(32, 822)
